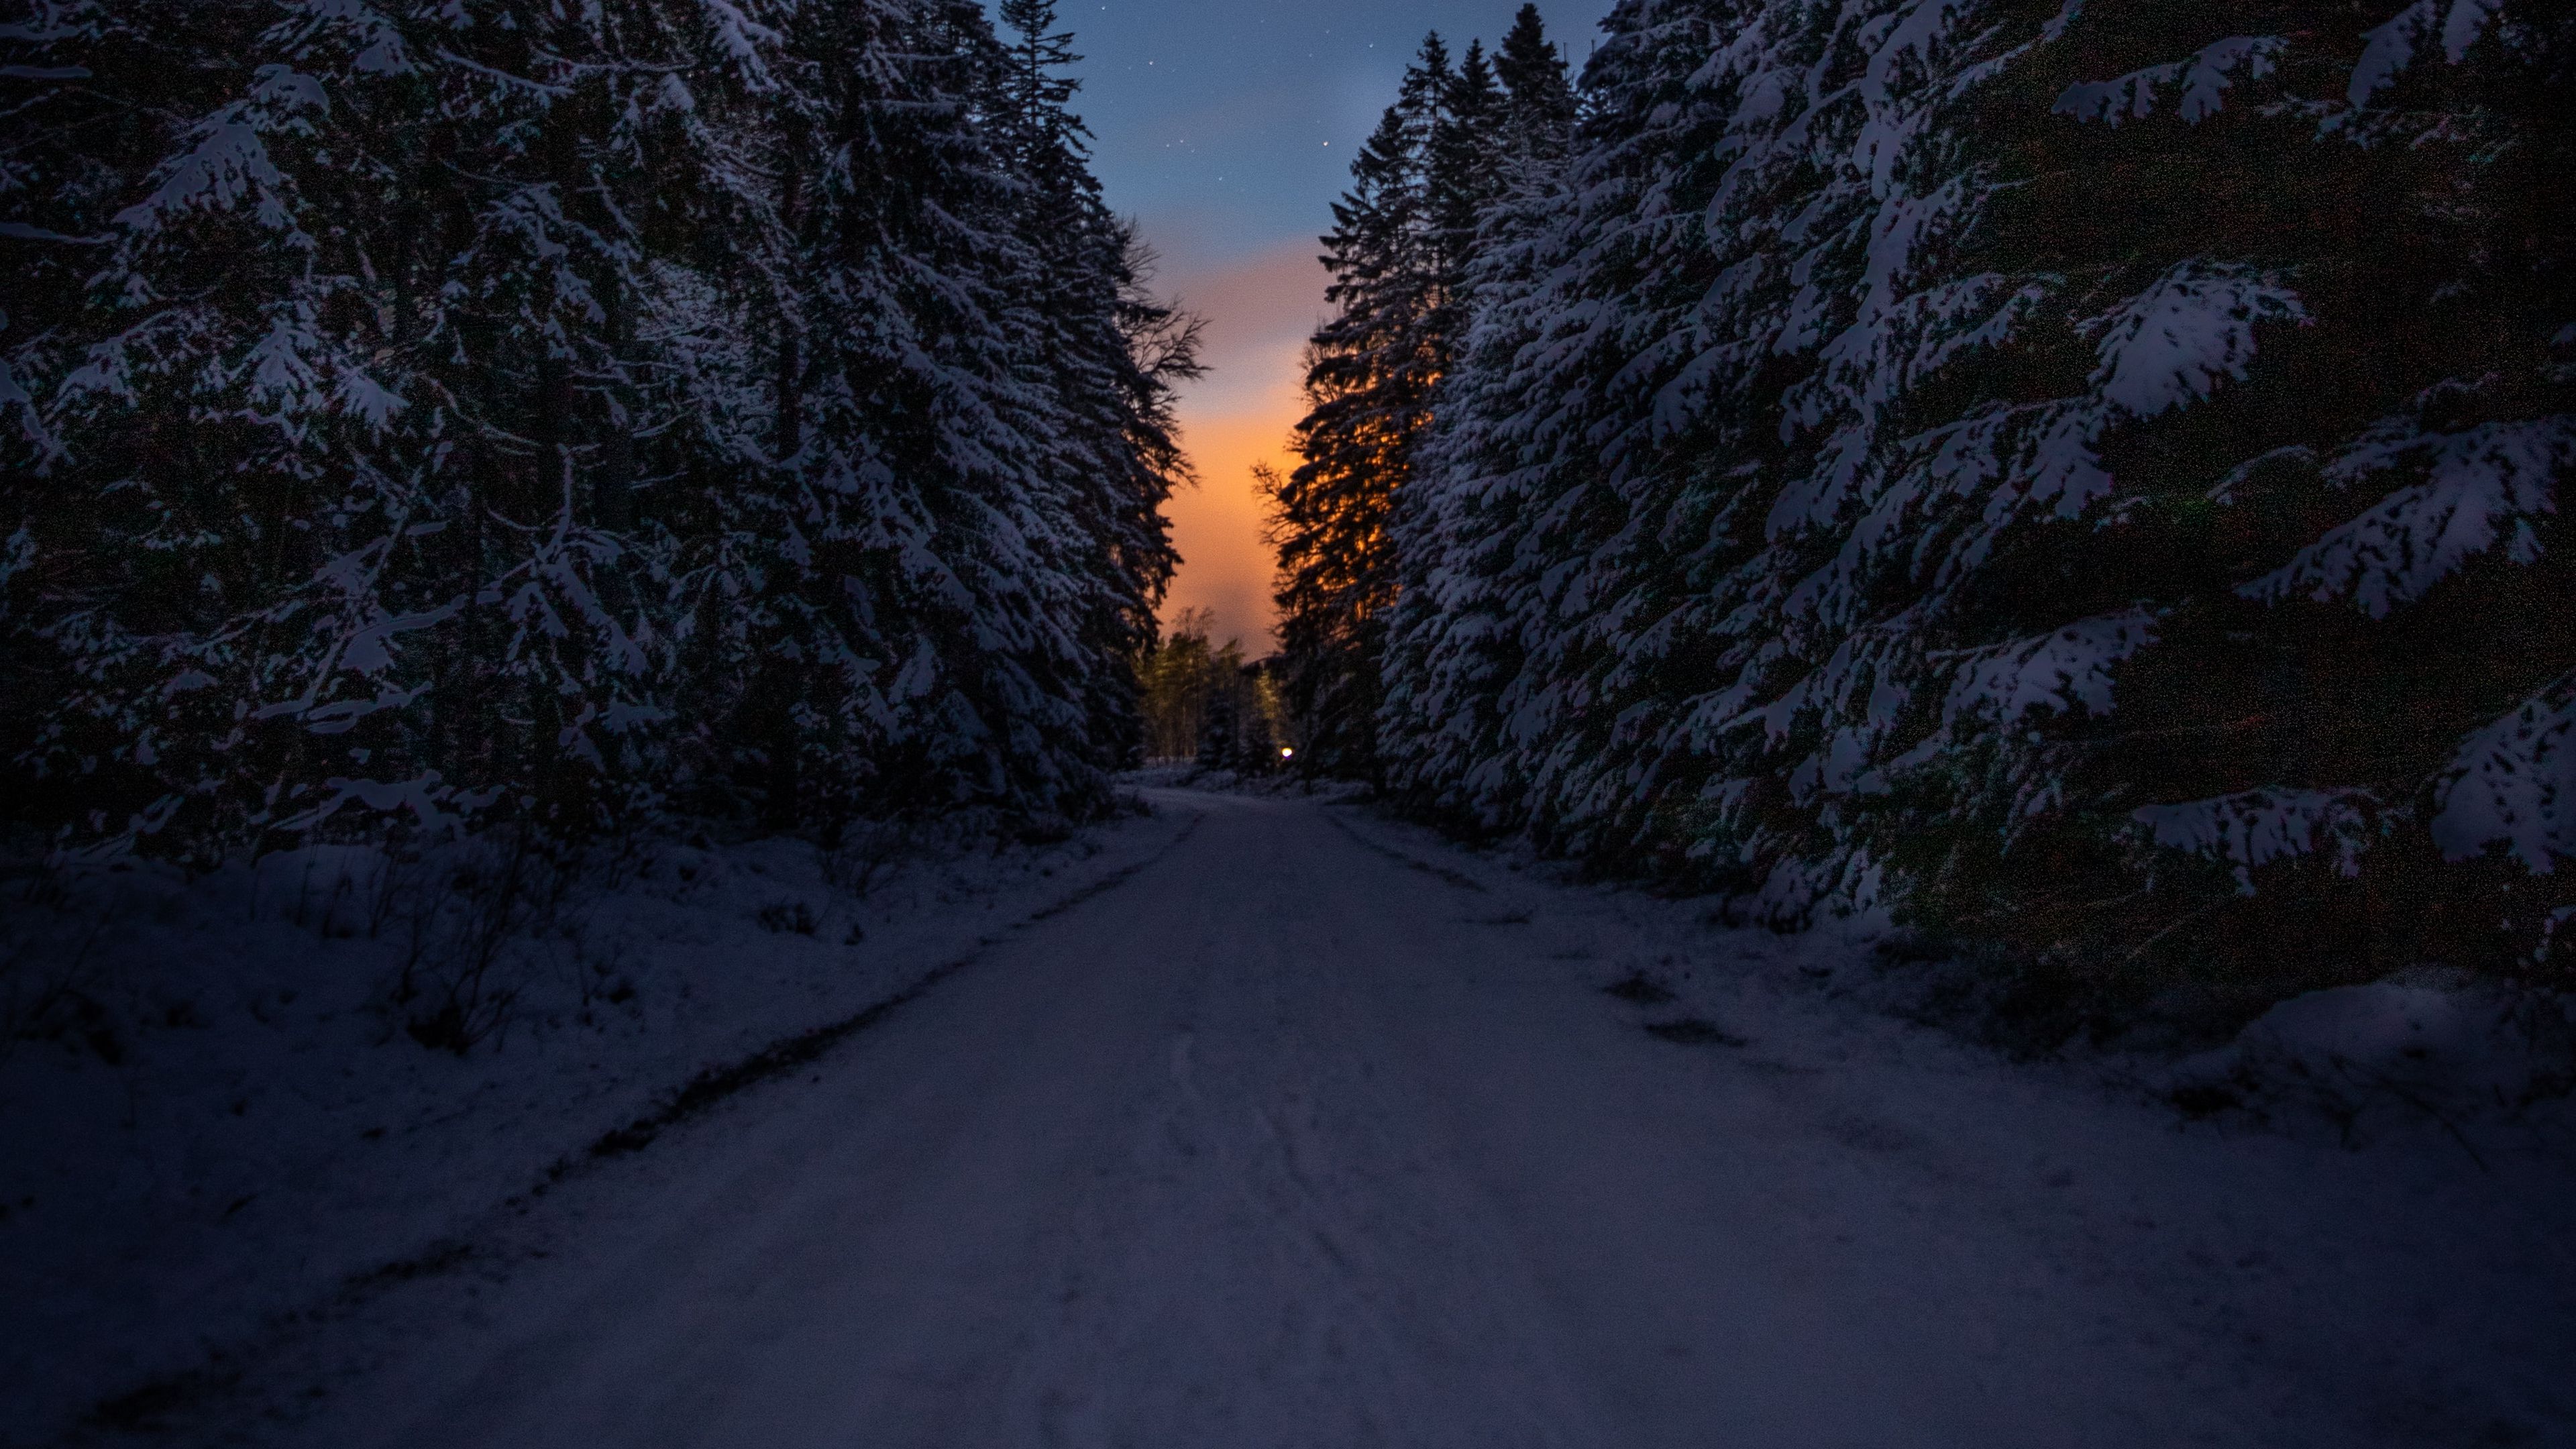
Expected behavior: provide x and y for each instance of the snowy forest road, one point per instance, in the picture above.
(1288, 1142)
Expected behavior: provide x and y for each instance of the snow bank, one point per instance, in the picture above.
(2447, 1049)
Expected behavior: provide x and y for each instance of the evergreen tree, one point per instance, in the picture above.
(554, 413)
(2323, 440)
(1898, 459)
(1532, 72)
(1111, 353)
(1397, 252)
(1440, 711)
(1530, 543)
(1460, 182)
(1221, 727)
(101, 95)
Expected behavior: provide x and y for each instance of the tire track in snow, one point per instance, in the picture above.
(1457, 878)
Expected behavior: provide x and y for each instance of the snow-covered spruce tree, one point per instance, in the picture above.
(361, 406)
(1461, 183)
(1531, 538)
(1886, 405)
(98, 94)
(2077, 673)
(1539, 99)
(543, 411)
(1394, 252)
(1450, 642)
(2307, 637)
(954, 539)
(205, 527)
(1109, 352)
(789, 643)
(608, 239)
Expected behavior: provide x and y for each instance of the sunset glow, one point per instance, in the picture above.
(1226, 131)
(1259, 312)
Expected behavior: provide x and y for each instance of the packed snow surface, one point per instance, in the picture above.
(1315, 1131)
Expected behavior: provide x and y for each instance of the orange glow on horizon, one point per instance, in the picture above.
(1259, 310)
(1225, 565)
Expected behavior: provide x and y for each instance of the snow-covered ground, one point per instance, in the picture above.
(1310, 1129)
(240, 1126)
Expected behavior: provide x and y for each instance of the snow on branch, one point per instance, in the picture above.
(2514, 781)
(2475, 486)
(2204, 80)
(2064, 670)
(2252, 828)
(2168, 346)
(744, 41)
(2391, 48)
(374, 42)
(229, 159)
(440, 808)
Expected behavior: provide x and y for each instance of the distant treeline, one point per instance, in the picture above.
(2085, 475)
(563, 412)
(1206, 704)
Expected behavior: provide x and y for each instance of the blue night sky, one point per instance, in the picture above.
(1227, 129)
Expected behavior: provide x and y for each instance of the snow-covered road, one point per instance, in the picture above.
(1285, 1141)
